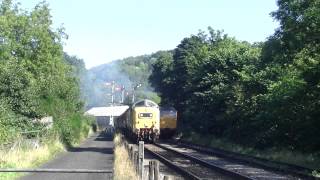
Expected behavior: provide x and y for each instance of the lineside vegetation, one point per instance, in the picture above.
(261, 95)
(123, 167)
(37, 79)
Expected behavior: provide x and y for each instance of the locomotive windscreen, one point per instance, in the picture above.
(169, 111)
(145, 103)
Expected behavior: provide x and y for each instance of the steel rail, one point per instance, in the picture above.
(167, 162)
(210, 150)
(209, 165)
(260, 162)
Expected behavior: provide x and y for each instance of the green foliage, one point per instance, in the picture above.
(6, 117)
(36, 78)
(73, 128)
(260, 95)
(161, 76)
(142, 94)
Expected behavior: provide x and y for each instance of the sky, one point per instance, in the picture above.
(104, 30)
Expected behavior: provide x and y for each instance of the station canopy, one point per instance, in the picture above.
(107, 111)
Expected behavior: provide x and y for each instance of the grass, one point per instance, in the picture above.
(310, 160)
(25, 156)
(123, 168)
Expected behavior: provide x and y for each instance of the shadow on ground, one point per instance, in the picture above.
(100, 137)
(92, 149)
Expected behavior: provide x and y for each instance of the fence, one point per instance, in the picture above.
(22, 139)
(136, 155)
(33, 135)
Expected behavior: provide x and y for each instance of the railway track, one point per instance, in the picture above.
(260, 162)
(198, 165)
(184, 166)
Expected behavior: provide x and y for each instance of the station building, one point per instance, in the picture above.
(105, 116)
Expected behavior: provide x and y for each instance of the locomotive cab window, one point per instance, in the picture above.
(140, 104)
(145, 115)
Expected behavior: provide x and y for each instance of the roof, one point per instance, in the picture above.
(107, 111)
(146, 103)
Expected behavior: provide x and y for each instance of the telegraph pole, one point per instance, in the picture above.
(112, 93)
(133, 93)
(133, 96)
(122, 94)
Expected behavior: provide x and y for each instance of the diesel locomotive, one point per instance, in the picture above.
(141, 121)
(168, 122)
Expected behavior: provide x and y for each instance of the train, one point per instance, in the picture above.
(168, 122)
(141, 121)
(146, 121)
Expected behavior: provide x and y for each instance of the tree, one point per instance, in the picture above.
(160, 77)
(291, 61)
(35, 81)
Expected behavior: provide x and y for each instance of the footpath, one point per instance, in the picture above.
(96, 153)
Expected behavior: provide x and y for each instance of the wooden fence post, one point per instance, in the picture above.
(129, 151)
(141, 159)
(151, 170)
(126, 145)
(135, 160)
(156, 170)
(132, 153)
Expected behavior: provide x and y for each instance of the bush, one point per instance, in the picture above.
(73, 128)
(12, 124)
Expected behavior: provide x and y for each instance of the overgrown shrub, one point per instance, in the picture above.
(12, 125)
(73, 128)
(35, 78)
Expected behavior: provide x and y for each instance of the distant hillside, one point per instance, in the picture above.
(128, 72)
